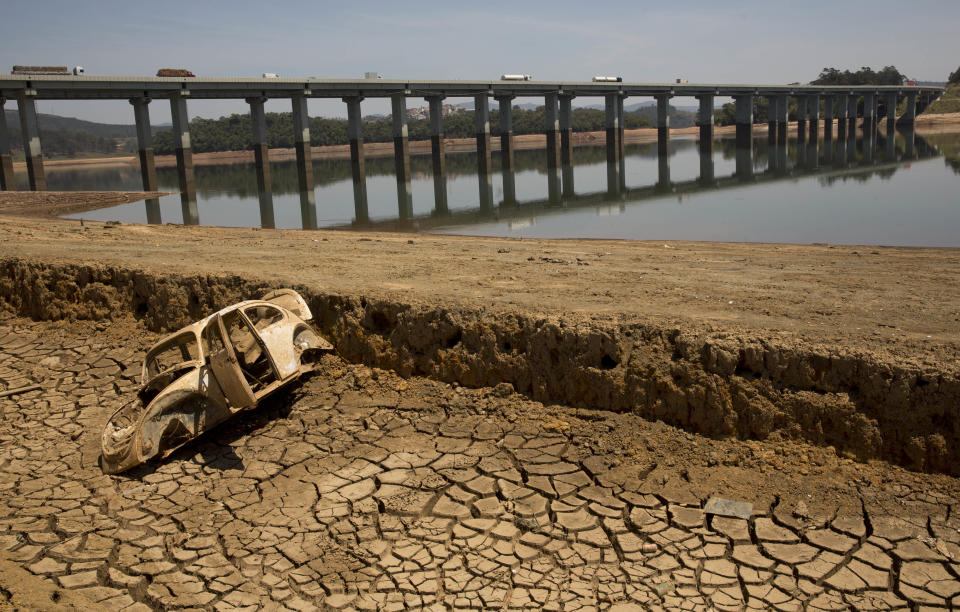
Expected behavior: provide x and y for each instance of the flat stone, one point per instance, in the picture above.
(728, 507)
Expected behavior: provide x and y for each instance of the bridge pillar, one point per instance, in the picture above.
(566, 143)
(910, 115)
(813, 112)
(828, 102)
(841, 116)
(301, 135)
(481, 105)
(925, 100)
(663, 124)
(30, 133)
(744, 118)
(613, 149)
(802, 117)
(705, 120)
(782, 118)
(184, 154)
(261, 158)
(148, 170)
(891, 104)
(620, 133)
(852, 111)
(869, 100)
(358, 164)
(771, 120)
(438, 151)
(909, 138)
(7, 179)
(552, 132)
(507, 165)
(401, 155)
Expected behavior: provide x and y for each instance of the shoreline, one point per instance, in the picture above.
(762, 336)
(924, 124)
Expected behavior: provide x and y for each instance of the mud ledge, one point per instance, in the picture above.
(713, 384)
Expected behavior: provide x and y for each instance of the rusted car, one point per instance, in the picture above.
(205, 373)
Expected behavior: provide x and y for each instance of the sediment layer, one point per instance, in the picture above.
(716, 384)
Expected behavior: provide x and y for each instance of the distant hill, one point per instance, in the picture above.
(70, 124)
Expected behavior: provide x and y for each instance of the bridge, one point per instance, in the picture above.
(841, 104)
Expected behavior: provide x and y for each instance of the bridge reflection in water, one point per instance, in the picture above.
(755, 163)
(527, 186)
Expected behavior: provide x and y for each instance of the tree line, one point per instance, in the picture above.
(889, 75)
(64, 143)
(234, 133)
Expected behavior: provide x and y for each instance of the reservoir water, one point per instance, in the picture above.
(901, 189)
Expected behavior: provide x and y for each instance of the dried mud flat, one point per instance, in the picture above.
(411, 473)
(363, 490)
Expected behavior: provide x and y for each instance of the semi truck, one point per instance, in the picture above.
(47, 70)
(175, 72)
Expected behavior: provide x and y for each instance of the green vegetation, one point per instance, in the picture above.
(69, 137)
(949, 102)
(889, 75)
(954, 76)
(234, 133)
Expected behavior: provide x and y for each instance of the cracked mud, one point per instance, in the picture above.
(363, 490)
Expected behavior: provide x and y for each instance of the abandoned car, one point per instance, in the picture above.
(203, 374)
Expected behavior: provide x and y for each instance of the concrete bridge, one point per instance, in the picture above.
(845, 104)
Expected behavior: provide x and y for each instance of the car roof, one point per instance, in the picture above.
(199, 325)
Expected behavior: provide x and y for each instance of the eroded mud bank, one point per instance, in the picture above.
(721, 384)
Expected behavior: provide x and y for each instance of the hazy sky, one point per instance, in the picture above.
(769, 41)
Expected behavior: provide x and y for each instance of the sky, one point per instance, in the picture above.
(746, 41)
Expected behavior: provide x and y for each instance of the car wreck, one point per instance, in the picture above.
(206, 372)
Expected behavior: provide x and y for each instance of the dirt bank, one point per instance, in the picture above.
(358, 489)
(824, 344)
(60, 203)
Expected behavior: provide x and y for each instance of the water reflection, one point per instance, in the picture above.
(515, 190)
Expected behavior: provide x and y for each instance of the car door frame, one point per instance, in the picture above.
(225, 368)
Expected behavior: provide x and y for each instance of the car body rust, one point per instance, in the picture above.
(201, 375)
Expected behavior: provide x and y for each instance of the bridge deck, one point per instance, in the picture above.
(53, 87)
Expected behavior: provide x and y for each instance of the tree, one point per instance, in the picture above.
(888, 75)
(954, 76)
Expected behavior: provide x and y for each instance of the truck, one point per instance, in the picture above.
(607, 79)
(515, 77)
(52, 70)
(175, 72)
(372, 75)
